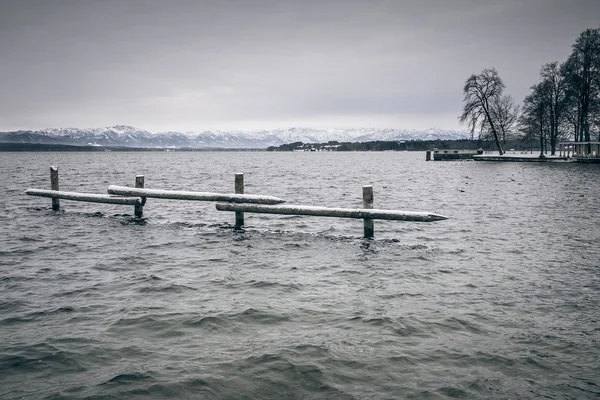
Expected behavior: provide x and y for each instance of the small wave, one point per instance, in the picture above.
(400, 295)
(96, 214)
(378, 321)
(40, 357)
(14, 320)
(30, 239)
(252, 315)
(128, 378)
(453, 392)
(210, 323)
(10, 304)
(459, 324)
(149, 278)
(166, 289)
(129, 220)
(233, 320)
(293, 246)
(149, 321)
(287, 287)
(86, 291)
(189, 225)
(281, 373)
(33, 316)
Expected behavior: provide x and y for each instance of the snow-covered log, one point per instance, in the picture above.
(89, 197)
(198, 196)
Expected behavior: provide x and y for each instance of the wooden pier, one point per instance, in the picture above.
(518, 158)
(237, 202)
(587, 152)
(451, 155)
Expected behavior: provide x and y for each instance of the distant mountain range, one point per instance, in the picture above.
(129, 136)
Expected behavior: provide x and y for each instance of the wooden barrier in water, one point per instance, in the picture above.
(196, 196)
(87, 197)
(367, 213)
(55, 194)
(238, 202)
(356, 213)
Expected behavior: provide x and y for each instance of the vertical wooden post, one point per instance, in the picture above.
(138, 211)
(239, 189)
(368, 203)
(428, 155)
(54, 186)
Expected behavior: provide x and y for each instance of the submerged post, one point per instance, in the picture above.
(139, 208)
(54, 186)
(368, 203)
(428, 155)
(239, 189)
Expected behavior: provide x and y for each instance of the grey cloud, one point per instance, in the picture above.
(192, 64)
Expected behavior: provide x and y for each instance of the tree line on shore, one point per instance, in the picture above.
(396, 145)
(563, 105)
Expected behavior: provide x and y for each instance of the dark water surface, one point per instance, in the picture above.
(501, 301)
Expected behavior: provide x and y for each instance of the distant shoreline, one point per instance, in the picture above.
(416, 145)
(38, 147)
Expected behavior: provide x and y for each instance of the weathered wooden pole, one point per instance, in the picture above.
(428, 155)
(368, 203)
(139, 208)
(239, 189)
(356, 213)
(89, 197)
(54, 186)
(198, 196)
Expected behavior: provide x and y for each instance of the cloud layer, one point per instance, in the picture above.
(193, 65)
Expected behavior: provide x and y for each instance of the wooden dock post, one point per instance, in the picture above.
(368, 203)
(139, 208)
(239, 189)
(428, 155)
(54, 186)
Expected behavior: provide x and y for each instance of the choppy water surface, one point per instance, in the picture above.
(501, 301)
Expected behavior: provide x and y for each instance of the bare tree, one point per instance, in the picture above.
(582, 74)
(506, 114)
(480, 93)
(535, 117)
(555, 98)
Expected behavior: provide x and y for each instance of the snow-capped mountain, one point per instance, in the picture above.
(129, 136)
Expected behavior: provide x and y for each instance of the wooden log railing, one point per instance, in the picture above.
(237, 202)
(55, 194)
(197, 196)
(367, 213)
(88, 197)
(356, 213)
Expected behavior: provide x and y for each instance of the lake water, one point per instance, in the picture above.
(500, 301)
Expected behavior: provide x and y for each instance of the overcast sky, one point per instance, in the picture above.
(190, 65)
